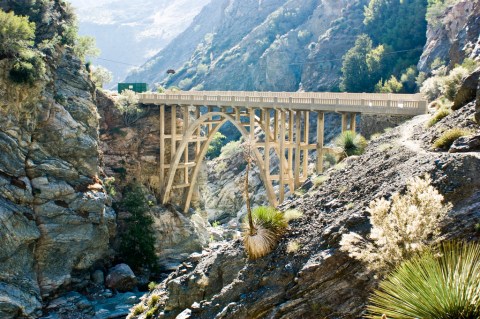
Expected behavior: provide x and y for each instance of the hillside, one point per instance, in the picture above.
(258, 45)
(130, 32)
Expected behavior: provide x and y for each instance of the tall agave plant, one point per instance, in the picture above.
(441, 283)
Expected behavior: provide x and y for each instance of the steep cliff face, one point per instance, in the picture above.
(454, 37)
(54, 220)
(261, 45)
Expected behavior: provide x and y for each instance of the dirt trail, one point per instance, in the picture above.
(406, 134)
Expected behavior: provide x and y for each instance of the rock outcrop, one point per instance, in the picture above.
(467, 91)
(454, 36)
(53, 220)
(318, 280)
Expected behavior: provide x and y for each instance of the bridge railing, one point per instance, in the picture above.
(387, 103)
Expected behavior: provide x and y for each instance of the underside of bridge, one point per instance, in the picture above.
(277, 133)
(284, 135)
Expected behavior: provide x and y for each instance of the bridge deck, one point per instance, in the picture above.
(367, 103)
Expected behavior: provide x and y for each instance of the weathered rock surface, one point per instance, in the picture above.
(121, 278)
(319, 280)
(467, 91)
(466, 144)
(454, 37)
(53, 227)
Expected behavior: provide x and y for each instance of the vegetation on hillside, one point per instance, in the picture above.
(127, 104)
(401, 227)
(350, 143)
(17, 35)
(137, 246)
(440, 283)
(262, 226)
(387, 51)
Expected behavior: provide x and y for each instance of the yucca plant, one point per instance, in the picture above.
(441, 283)
(268, 226)
(350, 143)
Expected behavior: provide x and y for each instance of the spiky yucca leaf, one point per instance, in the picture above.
(443, 284)
(269, 226)
(350, 143)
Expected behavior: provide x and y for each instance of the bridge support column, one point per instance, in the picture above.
(320, 140)
(161, 173)
(344, 122)
(306, 137)
(267, 144)
(298, 149)
(353, 122)
(281, 174)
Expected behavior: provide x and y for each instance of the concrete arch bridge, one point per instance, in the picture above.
(283, 118)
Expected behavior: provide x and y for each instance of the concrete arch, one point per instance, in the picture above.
(184, 144)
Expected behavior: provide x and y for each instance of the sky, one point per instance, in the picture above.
(130, 32)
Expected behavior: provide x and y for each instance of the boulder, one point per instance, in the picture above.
(466, 144)
(121, 278)
(467, 91)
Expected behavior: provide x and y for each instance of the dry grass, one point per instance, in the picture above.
(293, 247)
(292, 214)
(269, 226)
(319, 180)
(438, 116)
(400, 227)
(446, 140)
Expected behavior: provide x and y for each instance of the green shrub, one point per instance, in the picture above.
(153, 300)
(390, 86)
(447, 138)
(231, 149)
(16, 34)
(28, 68)
(439, 284)
(85, 46)
(269, 225)
(215, 147)
(138, 309)
(438, 116)
(137, 242)
(453, 81)
(152, 285)
(432, 88)
(127, 104)
(350, 143)
(100, 76)
(319, 180)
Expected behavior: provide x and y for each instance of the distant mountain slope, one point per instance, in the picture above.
(133, 31)
(260, 45)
